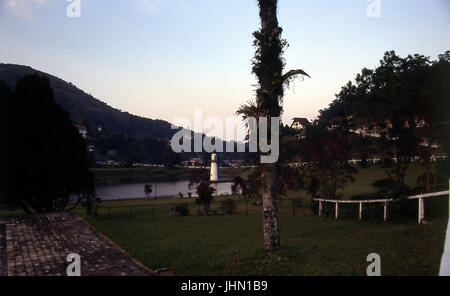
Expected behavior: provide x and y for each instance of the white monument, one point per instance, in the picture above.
(214, 175)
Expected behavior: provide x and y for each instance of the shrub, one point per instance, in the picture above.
(384, 185)
(148, 190)
(299, 203)
(328, 209)
(314, 205)
(229, 206)
(205, 194)
(399, 191)
(368, 196)
(403, 210)
(182, 209)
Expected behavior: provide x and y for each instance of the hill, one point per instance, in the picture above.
(89, 111)
(123, 137)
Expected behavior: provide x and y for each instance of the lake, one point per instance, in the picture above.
(135, 190)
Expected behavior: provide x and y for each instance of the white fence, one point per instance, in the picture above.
(445, 261)
(420, 198)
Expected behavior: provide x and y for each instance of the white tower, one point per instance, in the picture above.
(214, 175)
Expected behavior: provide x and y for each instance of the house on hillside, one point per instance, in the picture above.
(374, 130)
(82, 130)
(300, 123)
(197, 161)
(336, 123)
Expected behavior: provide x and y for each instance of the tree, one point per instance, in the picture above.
(205, 194)
(170, 158)
(268, 66)
(239, 186)
(5, 99)
(327, 152)
(197, 176)
(148, 190)
(410, 95)
(46, 156)
(89, 197)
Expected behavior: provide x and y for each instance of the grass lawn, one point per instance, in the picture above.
(232, 245)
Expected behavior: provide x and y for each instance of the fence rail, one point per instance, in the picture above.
(419, 197)
(243, 207)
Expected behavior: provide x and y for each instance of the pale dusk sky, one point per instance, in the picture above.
(164, 58)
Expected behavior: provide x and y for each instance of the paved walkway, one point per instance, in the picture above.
(38, 245)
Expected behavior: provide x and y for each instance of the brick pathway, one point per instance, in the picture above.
(38, 245)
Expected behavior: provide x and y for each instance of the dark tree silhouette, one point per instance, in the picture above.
(268, 66)
(239, 186)
(328, 153)
(170, 158)
(197, 176)
(47, 159)
(5, 98)
(411, 94)
(205, 194)
(148, 190)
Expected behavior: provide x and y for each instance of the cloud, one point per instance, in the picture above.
(24, 8)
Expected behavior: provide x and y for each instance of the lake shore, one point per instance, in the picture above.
(106, 175)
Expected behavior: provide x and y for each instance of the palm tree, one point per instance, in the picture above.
(268, 66)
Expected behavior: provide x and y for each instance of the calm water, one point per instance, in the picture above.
(162, 189)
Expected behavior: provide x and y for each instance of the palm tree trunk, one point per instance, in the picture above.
(269, 70)
(270, 208)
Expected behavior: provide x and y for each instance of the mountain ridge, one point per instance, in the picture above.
(123, 137)
(87, 110)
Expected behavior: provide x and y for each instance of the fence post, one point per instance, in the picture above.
(320, 208)
(421, 210)
(337, 210)
(360, 210)
(385, 212)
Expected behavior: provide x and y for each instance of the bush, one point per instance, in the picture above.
(182, 209)
(384, 185)
(369, 196)
(436, 207)
(328, 209)
(399, 191)
(314, 206)
(229, 206)
(403, 210)
(205, 194)
(299, 203)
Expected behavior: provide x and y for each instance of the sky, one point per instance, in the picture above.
(163, 59)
